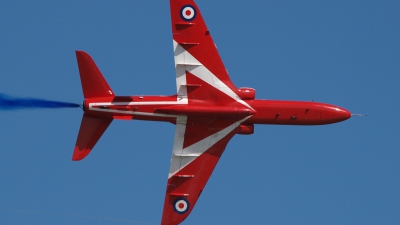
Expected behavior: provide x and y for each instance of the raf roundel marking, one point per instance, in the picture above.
(188, 13)
(181, 205)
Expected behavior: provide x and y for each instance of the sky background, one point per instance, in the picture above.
(343, 52)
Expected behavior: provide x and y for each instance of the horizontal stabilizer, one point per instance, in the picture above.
(93, 83)
(90, 132)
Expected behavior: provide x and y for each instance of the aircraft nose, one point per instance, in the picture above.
(343, 114)
(335, 114)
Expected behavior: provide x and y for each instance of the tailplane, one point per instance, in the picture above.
(94, 86)
(93, 83)
(92, 128)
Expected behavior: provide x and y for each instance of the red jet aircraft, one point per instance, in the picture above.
(208, 110)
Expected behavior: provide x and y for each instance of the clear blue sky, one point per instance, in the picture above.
(344, 52)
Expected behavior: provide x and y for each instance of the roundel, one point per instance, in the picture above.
(188, 13)
(181, 205)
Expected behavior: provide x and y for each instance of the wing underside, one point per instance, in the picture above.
(201, 79)
(198, 145)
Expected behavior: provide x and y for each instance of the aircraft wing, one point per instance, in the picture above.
(199, 143)
(197, 61)
(201, 78)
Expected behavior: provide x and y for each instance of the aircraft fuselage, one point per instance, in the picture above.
(167, 108)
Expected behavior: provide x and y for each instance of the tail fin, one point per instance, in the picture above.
(93, 83)
(90, 132)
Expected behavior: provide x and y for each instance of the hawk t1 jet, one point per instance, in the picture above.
(207, 110)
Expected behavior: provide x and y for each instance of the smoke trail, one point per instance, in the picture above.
(12, 103)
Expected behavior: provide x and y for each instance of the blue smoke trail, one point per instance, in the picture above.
(12, 103)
